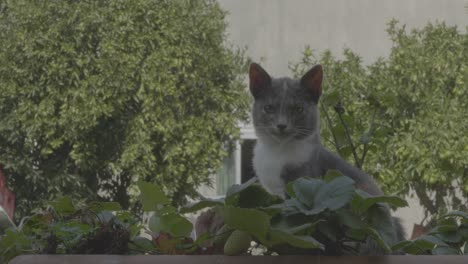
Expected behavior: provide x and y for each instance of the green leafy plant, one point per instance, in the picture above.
(326, 217)
(448, 237)
(69, 229)
(102, 228)
(400, 118)
(319, 216)
(96, 95)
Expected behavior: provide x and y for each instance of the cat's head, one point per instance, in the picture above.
(285, 109)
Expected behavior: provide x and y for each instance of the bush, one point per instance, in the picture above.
(400, 118)
(327, 217)
(95, 95)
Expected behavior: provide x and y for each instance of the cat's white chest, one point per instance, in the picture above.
(269, 161)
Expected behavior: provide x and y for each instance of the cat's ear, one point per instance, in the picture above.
(312, 81)
(259, 80)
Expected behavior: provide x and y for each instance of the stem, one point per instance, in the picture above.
(424, 198)
(348, 136)
(426, 214)
(366, 146)
(330, 125)
(364, 152)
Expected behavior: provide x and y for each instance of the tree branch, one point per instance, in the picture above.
(366, 146)
(424, 199)
(348, 136)
(330, 125)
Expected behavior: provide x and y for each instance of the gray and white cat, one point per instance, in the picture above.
(287, 123)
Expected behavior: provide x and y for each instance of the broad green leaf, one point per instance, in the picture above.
(305, 190)
(328, 229)
(252, 221)
(294, 224)
(289, 189)
(280, 237)
(400, 245)
(432, 239)
(331, 175)
(457, 214)
(449, 237)
(151, 196)
(143, 243)
(372, 233)
(463, 230)
(445, 228)
(347, 218)
(104, 206)
(71, 231)
(414, 247)
(358, 234)
(236, 188)
(201, 239)
(361, 203)
(305, 228)
(105, 216)
(252, 196)
(197, 206)
(173, 224)
(381, 221)
(292, 206)
(288, 207)
(63, 206)
(445, 251)
(334, 195)
(421, 245)
(314, 196)
(14, 243)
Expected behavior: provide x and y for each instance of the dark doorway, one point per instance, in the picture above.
(247, 171)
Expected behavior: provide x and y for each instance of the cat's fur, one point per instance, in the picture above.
(287, 123)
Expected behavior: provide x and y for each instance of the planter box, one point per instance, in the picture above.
(219, 259)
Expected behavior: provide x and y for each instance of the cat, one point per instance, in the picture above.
(286, 119)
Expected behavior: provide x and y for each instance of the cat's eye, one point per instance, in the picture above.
(269, 109)
(298, 109)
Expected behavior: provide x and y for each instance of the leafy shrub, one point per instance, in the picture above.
(327, 217)
(400, 118)
(448, 237)
(97, 228)
(323, 216)
(95, 95)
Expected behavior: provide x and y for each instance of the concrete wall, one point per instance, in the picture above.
(276, 31)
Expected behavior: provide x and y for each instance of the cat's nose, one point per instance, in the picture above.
(281, 127)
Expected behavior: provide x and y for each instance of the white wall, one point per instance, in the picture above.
(278, 31)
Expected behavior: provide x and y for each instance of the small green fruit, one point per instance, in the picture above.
(237, 243)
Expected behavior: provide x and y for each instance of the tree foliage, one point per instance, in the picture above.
(95, 95)
(403, 118)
